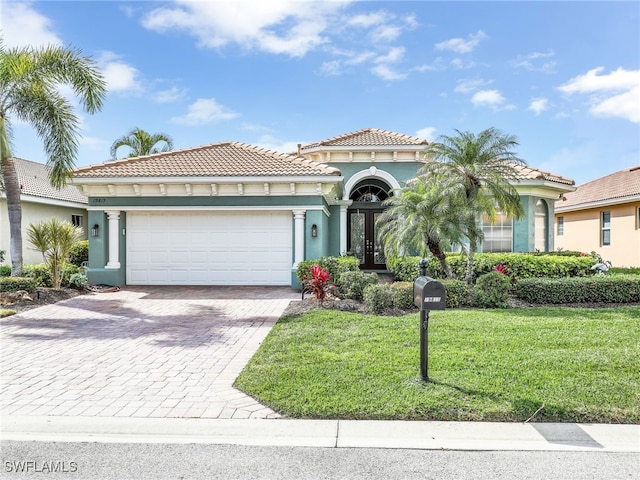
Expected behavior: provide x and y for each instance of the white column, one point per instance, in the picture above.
(114, 239)
(344, 204)
(298, 229)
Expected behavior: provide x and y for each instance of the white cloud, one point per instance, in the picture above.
(367, 20)
(120, 76)
(22, 25)
(170, 95)
(491, 98)
(386, 33)
(616, 94)
(203, 111)
(436, 66)
(428, 133)
(290, 27)
(537, 62)
(461, 64)
(394, 55)
(387, 73)
(460, 45)
(625, 105)
(620, 79)
(539, 105)
(272, 143)
(468, 86)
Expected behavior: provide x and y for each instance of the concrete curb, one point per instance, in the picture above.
(422, 435)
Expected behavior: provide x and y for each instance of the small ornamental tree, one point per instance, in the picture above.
(55, 240)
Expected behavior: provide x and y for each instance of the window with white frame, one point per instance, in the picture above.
(498, 236)
(560, 226)
(77, 221)
(605, 230)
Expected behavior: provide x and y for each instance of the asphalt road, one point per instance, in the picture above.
(68, 460)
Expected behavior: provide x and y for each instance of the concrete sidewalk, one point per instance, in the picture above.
(422, 435)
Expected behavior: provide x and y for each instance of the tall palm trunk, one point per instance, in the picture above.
(14, 207)
(473, 246)
(436, 251)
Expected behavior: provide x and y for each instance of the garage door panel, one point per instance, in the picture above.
(209, 248)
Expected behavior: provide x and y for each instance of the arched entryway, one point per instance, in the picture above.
(367, 197)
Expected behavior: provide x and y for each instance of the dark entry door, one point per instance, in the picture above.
(363, 242)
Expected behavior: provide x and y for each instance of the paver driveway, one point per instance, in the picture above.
(140, 352)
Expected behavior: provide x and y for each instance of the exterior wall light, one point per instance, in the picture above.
(314, 230)
(95, 231)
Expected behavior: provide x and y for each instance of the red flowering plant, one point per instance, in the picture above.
(501, 269)
(318, 282)
(505, 271)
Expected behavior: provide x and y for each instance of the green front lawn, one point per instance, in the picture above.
(542, 364)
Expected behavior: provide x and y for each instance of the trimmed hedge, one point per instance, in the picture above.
(334, 265)
(13, 284)
(353, 283)
(378, 298)
(79, 253)
(402, 295)
(492, 291)
(41, 274)
(457, 293)
(596, 289)
(519, 265)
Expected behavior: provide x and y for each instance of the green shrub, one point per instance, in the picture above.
(67, 271)
(407, 269)
(520, 265)
(622, 270)
(353, 283)
(13, 284)
(377, 298)
(596, 289)
(334, 265)
(458, 293)
(402, 295)
(78, 280)
(79, 253)
(1, 256)
(492, 290)
(5, 270)
(41, 274)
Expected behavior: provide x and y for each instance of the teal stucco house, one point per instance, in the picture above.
(236, 214)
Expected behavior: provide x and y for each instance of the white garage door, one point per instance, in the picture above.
(209, 248)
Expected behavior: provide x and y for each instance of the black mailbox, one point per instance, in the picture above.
(428, 294)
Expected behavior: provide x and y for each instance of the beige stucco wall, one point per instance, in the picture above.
(582, 233)
(34, 213)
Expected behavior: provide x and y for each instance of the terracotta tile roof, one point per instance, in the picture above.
(34, 178)
(621, 184)
(367, 137)
(227, 159)
(526, 172)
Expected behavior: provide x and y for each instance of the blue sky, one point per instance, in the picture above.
(564, 77)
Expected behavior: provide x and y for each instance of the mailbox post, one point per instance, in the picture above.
(428, 294)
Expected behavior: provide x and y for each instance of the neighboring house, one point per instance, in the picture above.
(40, 202)
(235, 214)
(603, 216)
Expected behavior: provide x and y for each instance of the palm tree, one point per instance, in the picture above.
(142, 143)
(421, 218)
(29, 91)
(479, 170)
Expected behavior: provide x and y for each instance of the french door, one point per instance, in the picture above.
(363, 241)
